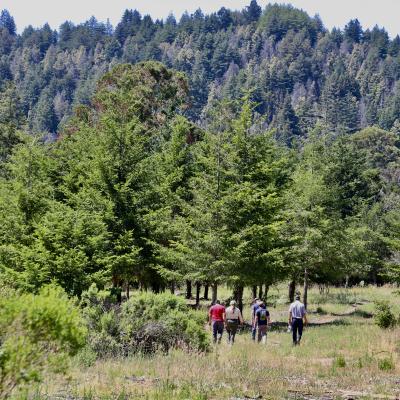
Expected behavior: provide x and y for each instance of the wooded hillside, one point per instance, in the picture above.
(300, 74)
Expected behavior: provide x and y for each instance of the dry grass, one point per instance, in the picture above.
(346, 353)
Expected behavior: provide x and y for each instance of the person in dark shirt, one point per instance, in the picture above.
(262, 321)
(254, 307)
(216, 318)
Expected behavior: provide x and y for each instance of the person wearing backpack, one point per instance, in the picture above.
(262, 322)
(297, 314)
(233, 317)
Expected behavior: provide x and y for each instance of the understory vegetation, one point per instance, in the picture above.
(343, 353)
(37, 334)
(146, 323)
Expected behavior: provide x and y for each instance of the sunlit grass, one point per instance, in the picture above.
(347, 352)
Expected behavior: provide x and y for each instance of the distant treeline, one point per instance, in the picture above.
(300, 74)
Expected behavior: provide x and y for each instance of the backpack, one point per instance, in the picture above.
(262, 314)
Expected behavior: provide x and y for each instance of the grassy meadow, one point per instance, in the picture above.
(343, 354)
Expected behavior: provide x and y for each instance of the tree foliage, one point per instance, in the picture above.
(262, 144)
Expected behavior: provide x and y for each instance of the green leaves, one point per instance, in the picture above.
(226, 229)
(80, 207)
(37, 333)
(134, 193)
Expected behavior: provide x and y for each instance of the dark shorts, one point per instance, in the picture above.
(262, 331)
(232, 325)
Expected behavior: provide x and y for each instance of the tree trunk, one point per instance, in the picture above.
(214, 292)
(305, 290)
(260, 292)
(266, 293)
(254, 291)
(206, 291)
(155, 287)
(292, 289)
(172, 287)
(346, 285)
(188, 289)
(198, 287)
(238, 295)
(117, 288)
(127, 290)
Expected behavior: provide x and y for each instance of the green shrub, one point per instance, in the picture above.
(37, 334)
(147, 322)
(95, 303)
(386, 364)
(320, 310)
(384, 317)
(178, 325)
(339, 362)
(86, 357)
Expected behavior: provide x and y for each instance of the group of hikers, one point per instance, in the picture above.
(230, 318)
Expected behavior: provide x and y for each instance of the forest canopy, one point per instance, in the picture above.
(241, 147)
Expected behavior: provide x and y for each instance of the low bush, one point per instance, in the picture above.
(86, 357)
(339, 362)
(384, 316)
(37, 334)
(147, 322)
(177, 324)
(386, 364)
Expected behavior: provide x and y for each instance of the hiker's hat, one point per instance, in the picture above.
(232, 303)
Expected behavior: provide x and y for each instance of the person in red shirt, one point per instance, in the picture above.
(216, 318)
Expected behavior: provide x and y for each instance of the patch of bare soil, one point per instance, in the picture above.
(298, 394)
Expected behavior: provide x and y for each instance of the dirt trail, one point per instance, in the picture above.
(316, 319)
(343, 394)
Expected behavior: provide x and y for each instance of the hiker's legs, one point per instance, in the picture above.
(262, 331)
(220, 330)
(294, 330)
(217, 329)
(300, 328)
(233, 327)
(214, 331)
(253, 332)
(229, 333)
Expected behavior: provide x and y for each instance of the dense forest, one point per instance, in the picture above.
(241, 147)
(300, 73)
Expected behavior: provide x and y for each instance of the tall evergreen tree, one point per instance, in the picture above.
(7, 22)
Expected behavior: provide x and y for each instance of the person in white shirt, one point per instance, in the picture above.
(233, 317)
(297, 314)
